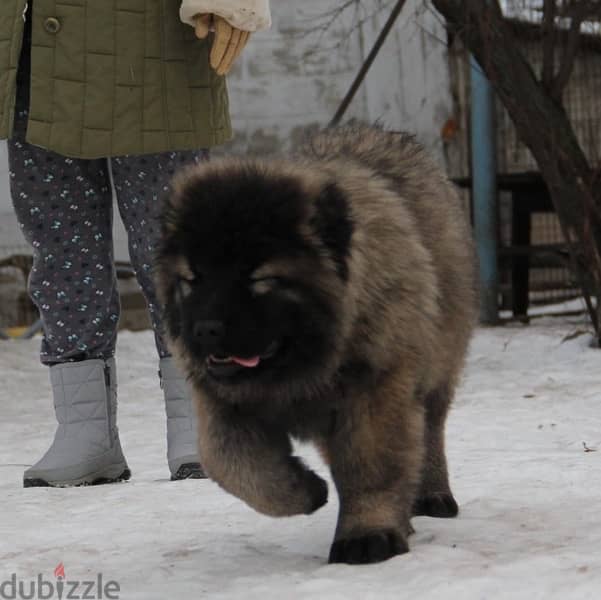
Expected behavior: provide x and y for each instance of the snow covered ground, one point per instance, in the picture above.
(530, 493)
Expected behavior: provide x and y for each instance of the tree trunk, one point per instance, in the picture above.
(541, 123)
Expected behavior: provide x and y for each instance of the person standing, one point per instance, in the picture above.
(96, 97)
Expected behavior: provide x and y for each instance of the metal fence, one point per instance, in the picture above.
(530, 237)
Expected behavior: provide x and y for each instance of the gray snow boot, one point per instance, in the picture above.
(86, 449)
(182, 431)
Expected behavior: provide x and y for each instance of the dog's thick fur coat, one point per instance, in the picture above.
(328, 297)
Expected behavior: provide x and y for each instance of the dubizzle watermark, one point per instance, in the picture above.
(61, 588)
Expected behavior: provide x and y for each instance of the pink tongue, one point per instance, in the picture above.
(247, 362)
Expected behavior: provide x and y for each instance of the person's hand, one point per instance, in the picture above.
(228, 44)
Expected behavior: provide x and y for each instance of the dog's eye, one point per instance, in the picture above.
(190, 277)
(188, 280)
(185, 285)
(263, 285)
(273, 280)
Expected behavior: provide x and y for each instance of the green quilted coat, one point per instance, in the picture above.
(110, 78)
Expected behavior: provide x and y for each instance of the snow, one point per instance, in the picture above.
(575, 305)
(530, 495)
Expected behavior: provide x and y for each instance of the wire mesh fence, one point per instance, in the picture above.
(530, 235)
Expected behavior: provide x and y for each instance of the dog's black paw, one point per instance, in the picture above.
(369, 548)
(307, 490)
(317, 489)
(441, 505)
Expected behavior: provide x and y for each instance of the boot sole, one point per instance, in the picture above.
(94, 479)
(189, 471)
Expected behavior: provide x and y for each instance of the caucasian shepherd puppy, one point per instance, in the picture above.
(328, 297)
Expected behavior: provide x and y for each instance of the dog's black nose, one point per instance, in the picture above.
(208, 332)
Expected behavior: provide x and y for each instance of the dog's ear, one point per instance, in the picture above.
(182, 183)
(333, 224)
(174, 201)
(168, 219)
(173, 276)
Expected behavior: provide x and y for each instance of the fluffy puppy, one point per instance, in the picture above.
(327, 297)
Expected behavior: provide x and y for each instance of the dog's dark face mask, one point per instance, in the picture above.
(244, 294)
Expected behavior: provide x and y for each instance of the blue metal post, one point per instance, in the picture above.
(484, 190)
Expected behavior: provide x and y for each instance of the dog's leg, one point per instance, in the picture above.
(253, 460)
(434, 498)
(375, 456)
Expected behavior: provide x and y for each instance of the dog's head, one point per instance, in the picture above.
(252, 272)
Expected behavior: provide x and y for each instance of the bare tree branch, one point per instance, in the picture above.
(396, 11)
(542, 124)
(578, 12)
(568, 58)
(548, 31)
(322, 24)
(327, 19)
(331, 16)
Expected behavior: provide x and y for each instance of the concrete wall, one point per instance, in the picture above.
(295, 76)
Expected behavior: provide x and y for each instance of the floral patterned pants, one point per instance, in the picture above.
(64, 207)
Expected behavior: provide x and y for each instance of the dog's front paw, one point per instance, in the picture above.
(301, 492)
(316, 490)
(439, 504)
(371, 547)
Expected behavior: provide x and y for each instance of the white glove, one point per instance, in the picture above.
(247, 15)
